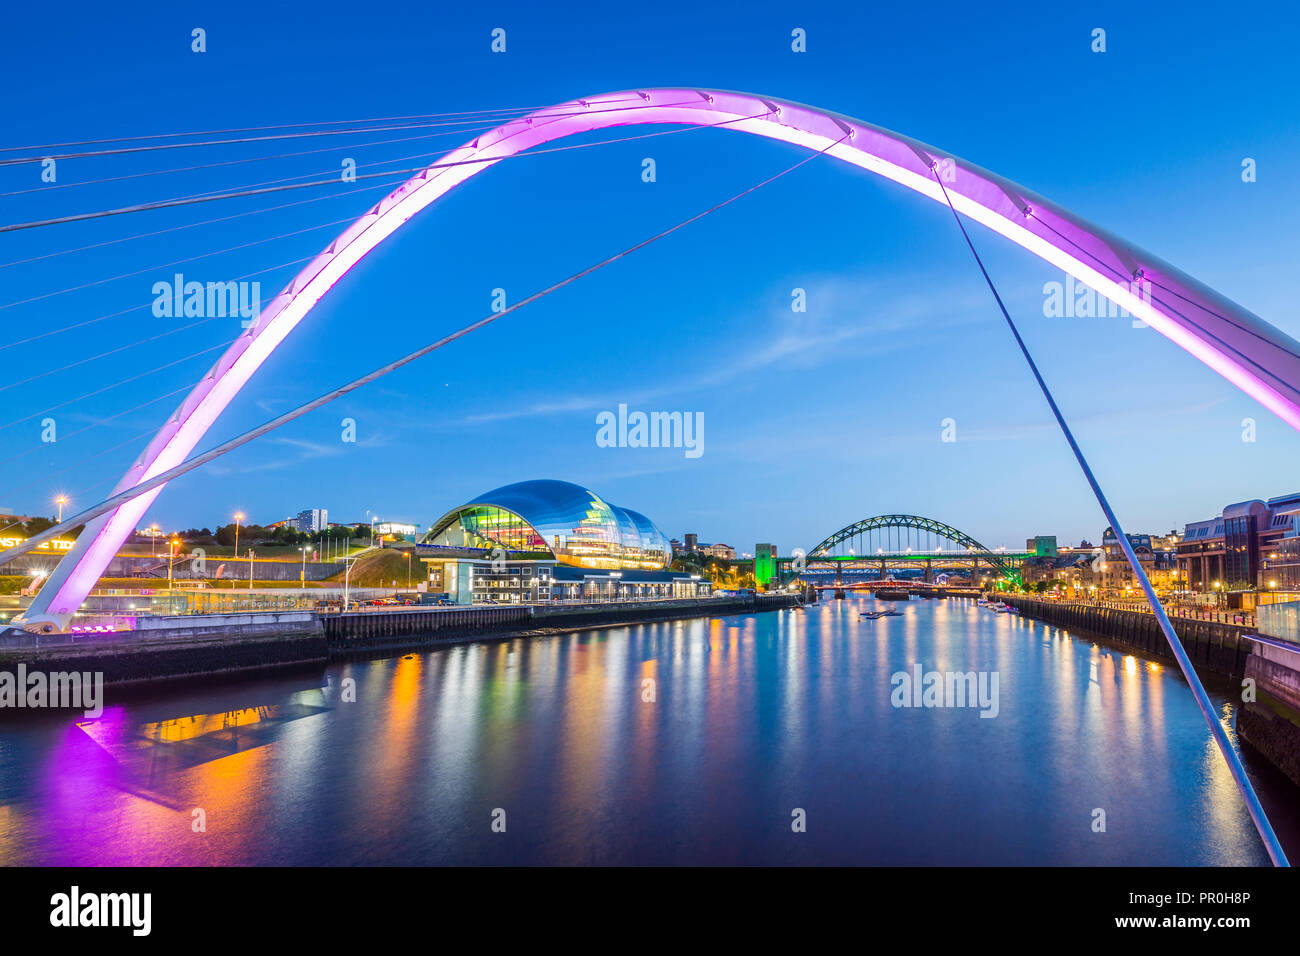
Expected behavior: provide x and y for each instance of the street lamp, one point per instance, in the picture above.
(304, 568)
(239, 516)
(153, 541)
(347, 570)
(171, 554)
(61, 500)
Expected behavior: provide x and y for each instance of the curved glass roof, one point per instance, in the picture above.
(571, 523)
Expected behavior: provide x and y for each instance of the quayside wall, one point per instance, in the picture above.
(204, 645)
(409, 628)
(1216, 647)
(162, 647)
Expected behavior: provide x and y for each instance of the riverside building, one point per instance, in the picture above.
(543, 541)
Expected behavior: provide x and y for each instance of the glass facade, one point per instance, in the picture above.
(557, 519)
(1239, 556)
(1283, 566)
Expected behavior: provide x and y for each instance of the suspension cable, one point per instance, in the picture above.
(1254, 333)
(109, 418)
(201, 222)
(119, 349)
(38, 158)
(336, 148)
(257, 129)
(190, 200)
(108, 388)
(196, 461)
(137, 308)
(1230, 755)
(175, 262)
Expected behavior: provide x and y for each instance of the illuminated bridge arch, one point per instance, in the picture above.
(859, 540)
(1253, 355)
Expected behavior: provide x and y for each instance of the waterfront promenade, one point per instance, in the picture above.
(1188, 612)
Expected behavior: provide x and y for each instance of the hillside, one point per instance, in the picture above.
(379, 569)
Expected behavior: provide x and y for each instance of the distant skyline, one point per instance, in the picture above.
(811, 420)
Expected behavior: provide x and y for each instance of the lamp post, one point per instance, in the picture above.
(250, 574)
(153, 541)
(61, 500)
(171, 555)
(303, 581)
(347, 570)
(239, 516)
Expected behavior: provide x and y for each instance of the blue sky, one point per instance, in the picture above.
(812, 420)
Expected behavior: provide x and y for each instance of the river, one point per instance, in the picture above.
(766, 738)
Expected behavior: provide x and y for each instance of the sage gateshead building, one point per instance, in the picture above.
(545, 541)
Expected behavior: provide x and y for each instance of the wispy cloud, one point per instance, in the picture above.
(878, 315)
(307, 451)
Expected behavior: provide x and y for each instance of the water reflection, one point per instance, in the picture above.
(676, 742)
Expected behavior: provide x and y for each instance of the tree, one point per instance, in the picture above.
(285, 535)
(248, 534)
(35, 526)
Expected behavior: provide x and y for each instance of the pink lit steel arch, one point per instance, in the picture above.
(1253, 355)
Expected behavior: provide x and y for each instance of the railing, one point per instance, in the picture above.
(1191, 612)
(557, 602)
